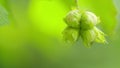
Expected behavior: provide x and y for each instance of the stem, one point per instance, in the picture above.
(77, 4)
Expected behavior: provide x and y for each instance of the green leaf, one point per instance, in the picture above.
(99, 36)
(48, 16)
(3, 16)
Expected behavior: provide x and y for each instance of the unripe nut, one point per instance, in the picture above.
(72, 19)
(70, 35)
(88, 37)
(88, 20)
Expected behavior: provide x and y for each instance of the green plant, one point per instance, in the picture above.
(83, 24)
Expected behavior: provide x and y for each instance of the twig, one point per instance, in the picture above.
(77, 4)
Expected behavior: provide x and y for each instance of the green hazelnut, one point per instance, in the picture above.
(70, 35)
(83, 23)
(88, 20)
(88, 36)
(72, 19)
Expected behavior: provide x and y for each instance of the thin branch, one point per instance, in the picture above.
(77, 4)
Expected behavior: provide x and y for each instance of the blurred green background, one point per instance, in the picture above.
(30, 35)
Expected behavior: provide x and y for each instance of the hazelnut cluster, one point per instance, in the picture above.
(82, 24)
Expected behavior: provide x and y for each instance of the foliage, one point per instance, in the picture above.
(32, 37)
